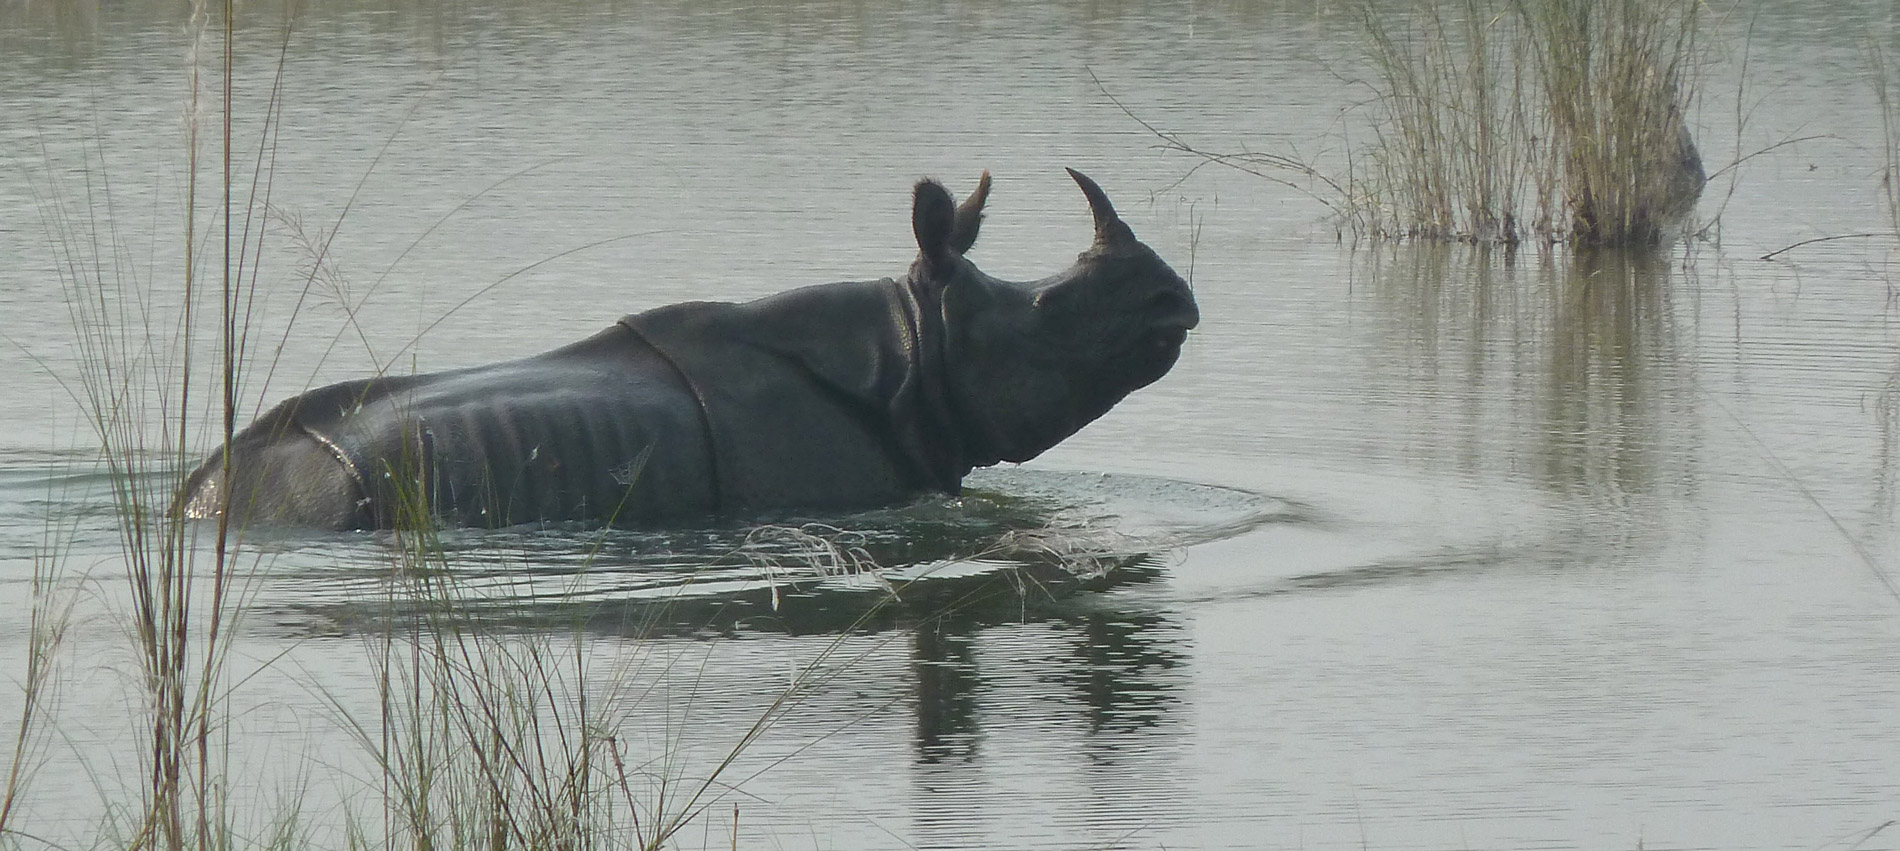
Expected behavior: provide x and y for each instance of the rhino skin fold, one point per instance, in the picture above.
(830, 397)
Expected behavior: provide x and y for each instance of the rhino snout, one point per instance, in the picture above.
(1172, 314)
(1163, 335)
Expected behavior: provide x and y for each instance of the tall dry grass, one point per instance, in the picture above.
(1883, 79)
(489, 736)
(137, 333)
(1556, 120)
(481, 738)
(1509, 121)
(1617, 79)
(1455, 153)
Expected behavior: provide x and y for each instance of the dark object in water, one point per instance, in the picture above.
(828, 397)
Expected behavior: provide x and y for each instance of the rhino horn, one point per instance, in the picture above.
(933, 219)
(970, 216)
(1110, 230)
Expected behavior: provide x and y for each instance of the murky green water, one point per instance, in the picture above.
(1542, 552)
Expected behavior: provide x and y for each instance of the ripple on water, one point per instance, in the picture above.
(1013, 534)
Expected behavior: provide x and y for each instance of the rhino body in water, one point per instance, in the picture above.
(829, 397)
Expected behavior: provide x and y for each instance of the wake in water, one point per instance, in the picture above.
(1016, 537)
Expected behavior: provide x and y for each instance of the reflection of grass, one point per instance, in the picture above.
(1564, 371)
(1883, 85)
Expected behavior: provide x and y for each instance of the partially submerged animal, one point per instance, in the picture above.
(829, 397)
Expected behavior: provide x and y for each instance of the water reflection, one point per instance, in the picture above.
(1111, 667)
(943, 659)
(1074, 706)
(1008, 600)
(1564, 370)
(1887, 456)
(1116, 670)
(1614, 402)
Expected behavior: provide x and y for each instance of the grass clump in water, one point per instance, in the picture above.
(1506, 121)
(1554, 120)
(1453, 152)
(1616, 81)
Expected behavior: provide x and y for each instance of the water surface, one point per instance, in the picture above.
(1544, 551)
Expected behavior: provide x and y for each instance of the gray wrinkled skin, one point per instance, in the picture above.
(830, 397)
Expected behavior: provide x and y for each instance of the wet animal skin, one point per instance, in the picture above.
(827, 397)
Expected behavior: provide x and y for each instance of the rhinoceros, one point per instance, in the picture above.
(825, 398)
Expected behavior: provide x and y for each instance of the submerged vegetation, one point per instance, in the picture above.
(1504, 121)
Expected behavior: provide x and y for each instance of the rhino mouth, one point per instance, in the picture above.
(1153, 354)
(1167, 339)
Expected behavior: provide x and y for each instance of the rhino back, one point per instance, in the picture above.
(810, 394)
(599, 430)
(275, 478)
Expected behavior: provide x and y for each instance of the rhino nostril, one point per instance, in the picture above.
(1182, 319)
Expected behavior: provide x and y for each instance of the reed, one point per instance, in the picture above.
(1508, 121)
(46, 632)
(481, 738)
(487, 737)
(1454, 152)
(1560, 120)
(144, 399)
(1616, 77)
(1882, 77)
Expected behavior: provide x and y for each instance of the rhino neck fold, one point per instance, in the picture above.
(717, 477)
(977, 441)
(852, 372)
(936, 436)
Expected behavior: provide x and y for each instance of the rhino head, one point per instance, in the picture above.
(1029, 363)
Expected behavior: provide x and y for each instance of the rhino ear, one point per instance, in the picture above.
(933, 217)
(970, 216)
(1110, 230)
